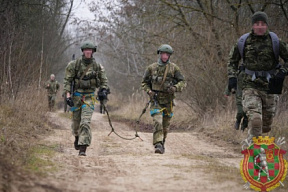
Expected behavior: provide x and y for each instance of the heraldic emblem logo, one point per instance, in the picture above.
(263, 167)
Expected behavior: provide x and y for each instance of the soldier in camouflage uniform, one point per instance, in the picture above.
(160, 81)
(52, 87)
(87, 76)
(261, 77)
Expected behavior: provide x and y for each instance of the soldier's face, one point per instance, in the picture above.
(52, 78)
(88, 53)
(260, 28)
(164, 57)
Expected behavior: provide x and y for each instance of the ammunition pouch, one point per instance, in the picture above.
(87, 83)
(163, 97)
(157, 81)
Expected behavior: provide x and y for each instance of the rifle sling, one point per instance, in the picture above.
(83, 74)
(165, 74)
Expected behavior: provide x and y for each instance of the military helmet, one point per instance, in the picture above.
(88, 45)
(165, 48)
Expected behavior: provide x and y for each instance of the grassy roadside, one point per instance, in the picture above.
(23, 124)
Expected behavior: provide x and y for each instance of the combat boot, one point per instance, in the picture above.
(82, 150)
(76, 146)
(159, 148)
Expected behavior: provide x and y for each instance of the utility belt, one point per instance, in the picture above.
(82, 100)
(89, 94)
(256, 74)
(275, 83)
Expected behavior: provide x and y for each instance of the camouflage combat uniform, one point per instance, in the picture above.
(83, 96)
(161, 108)
(259, 57)
(52, 87)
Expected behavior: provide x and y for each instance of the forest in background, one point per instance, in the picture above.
(36, 40)
(201, 32)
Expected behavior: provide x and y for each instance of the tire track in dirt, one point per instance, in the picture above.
(113, 164)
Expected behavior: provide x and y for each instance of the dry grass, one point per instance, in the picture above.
(22, 124)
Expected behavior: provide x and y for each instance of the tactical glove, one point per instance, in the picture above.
(102, 95)
(280, 74)
(69, 102)
(172, 89)
(232, 84)
(151, 94)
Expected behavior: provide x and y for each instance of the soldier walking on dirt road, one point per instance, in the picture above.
(263, 75)
(160, 81)
(82, 77)
(52, 87)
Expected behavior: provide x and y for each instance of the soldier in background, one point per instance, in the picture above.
(160, 81)
(52, 87)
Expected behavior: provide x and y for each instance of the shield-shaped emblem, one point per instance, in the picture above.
(263, 166)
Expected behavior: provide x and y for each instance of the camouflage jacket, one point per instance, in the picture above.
(52, 87)
(258, 56)
(95, 76)
(153, 77)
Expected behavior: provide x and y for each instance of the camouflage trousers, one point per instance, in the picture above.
(51, 101)
(260, 108)
(81, 117)
(162, 115)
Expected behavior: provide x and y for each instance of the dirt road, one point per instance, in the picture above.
(190, 162)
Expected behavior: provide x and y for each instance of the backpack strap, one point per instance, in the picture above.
(275, 43)
(165, 74)
(241, 43)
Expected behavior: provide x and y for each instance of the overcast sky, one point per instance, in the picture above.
(81, 10)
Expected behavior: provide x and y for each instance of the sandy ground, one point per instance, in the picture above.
(190, 162)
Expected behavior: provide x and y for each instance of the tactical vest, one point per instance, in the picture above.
(88, 80)
(53, 87)
(157, 77)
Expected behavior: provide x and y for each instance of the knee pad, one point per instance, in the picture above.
(256, 121)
